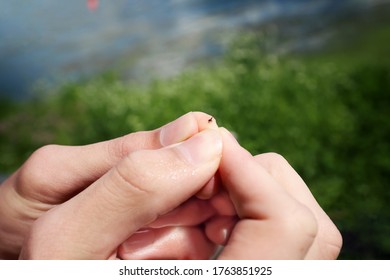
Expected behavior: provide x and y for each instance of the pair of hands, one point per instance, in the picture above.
(176, 192)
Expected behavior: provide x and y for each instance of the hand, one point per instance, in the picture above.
(54, 174)
(135, 192)
(279, 217)
(156, 239)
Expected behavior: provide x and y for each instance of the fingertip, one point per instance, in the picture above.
(233, 152)
(205, 121)
(223, 204)
(231, 147)
(169, 243)
(210, 189)
(219, 229)
(178, 130)
(185, 126)
(191, 213)
(202, 148)
(228, 136)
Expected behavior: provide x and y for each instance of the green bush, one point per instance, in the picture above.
(328, 119)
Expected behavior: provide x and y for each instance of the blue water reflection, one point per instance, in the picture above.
(57, 40)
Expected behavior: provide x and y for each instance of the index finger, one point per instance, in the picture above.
(54, 171)
(143, 186)
(273, 225)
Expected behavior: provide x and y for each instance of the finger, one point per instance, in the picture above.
(328, 241)
(219, 228)
(286, 176)
(273, 225)
(210, 189)
(174, 243)
(143, 186)
(55, 173)
(222, 204)
(191, 213)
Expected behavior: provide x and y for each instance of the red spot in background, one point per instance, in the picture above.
(92, 4)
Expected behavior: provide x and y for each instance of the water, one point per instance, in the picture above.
(53, 41)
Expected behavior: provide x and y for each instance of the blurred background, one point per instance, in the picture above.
(309, 79)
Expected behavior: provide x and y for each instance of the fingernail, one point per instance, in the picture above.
(139, 239)
(202, 147)
(178, 130)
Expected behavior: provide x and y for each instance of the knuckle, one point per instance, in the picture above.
(335, 244)
(122, 146)
(127, 144)
(332, 239)
(273, 162)
(301, 230)
(276, 159)
(304, 223)
(132, 177)
(34, 170)
(115, 148)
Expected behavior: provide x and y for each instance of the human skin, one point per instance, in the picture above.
(278, 217)
(143, 186)
(54, 174)
(258, 207)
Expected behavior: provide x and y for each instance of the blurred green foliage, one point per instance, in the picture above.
(328, 116)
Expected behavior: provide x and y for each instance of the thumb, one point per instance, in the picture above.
(143, 186)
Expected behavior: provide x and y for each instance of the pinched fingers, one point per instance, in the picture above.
(55, 173)
(143, 186)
